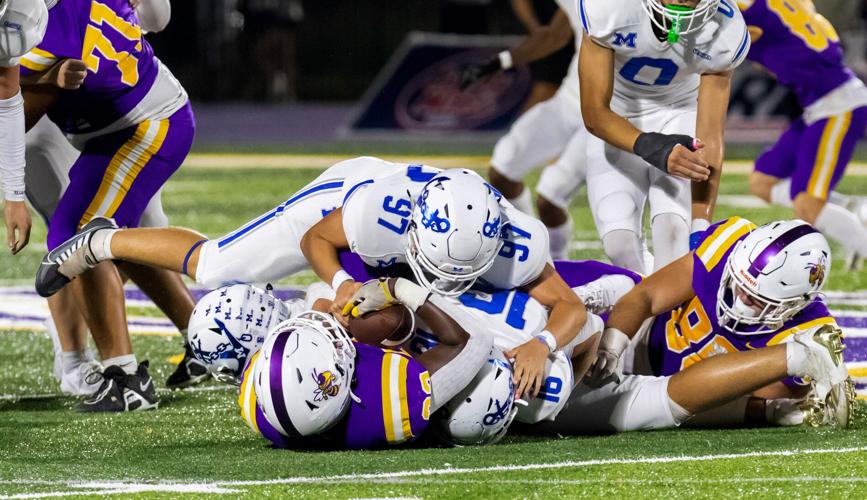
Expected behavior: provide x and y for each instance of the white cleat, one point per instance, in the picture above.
(599, 296)
(82, 380)
(834, 392)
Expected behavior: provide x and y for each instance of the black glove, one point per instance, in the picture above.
(655, 148)
(473, 72)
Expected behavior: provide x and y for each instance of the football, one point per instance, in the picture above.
(376, 327)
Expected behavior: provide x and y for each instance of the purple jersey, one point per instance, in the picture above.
(392, 407)
(692, 332)
(799, 46)
(106, 35)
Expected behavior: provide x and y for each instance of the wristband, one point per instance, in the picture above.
(505, 59)
(548, 339)
(409, 294)
(655, 148)
(338, 279)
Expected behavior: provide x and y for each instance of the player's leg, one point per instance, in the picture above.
(617, 184)
(670, 197)
(558, 186)
(823, 154)
(773, 169)
(538, 136)
(48, 156)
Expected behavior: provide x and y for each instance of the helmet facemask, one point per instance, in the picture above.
(441, 281)
(678, 20)
(737, 317)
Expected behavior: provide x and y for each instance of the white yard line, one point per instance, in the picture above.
(446, 471)
(160, 390)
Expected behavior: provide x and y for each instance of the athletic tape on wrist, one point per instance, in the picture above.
(409, 294)
(505, 59)
(338, 279)
(548, 339)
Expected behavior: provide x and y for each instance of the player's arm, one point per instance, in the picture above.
(713, 101)
(538, 44)
(671, 153)
(320, 245)
(17, 216)
(566, 318)
(526, 14)
(660, 292)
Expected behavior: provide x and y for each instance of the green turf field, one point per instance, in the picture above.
(197, 443)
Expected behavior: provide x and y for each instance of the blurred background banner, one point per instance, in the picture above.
(418, 90)
(284, 72)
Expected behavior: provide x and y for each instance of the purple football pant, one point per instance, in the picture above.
(117, 174)
(814, 156)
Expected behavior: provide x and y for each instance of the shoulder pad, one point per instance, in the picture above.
(719, 238)
(21, 29)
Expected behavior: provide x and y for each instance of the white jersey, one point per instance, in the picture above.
(22, 27)
(376, 214)
(649, 73)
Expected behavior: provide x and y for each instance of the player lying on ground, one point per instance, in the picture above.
(50, 157)
(134, 125)
(695, 395)
(654, 92)
(388, 214)
(356, 395)
(803, 51)
(550, 129)
(749, 288)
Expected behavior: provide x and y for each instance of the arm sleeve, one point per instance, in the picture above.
(12, 147)
(154, 15)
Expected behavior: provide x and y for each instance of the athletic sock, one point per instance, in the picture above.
(127, 363)
(100, 244)
(69, 360)
(559, 238)
(523, 202)
(844, 227)
(781, 193)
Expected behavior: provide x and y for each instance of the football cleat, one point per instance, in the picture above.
(190, 371)
(71, 258)
(834, 392)
(121, 392)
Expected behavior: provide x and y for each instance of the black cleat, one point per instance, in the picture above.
(69, 259)
(190, 371)
(120, 392)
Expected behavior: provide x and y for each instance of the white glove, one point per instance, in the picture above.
(375, 295)
(607, 364)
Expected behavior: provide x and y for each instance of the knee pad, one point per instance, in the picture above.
(624, 248)
(617, 208)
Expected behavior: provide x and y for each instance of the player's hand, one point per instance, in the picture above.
(18, 225)
(688, 164)
(344, 293)
(473, 72)
(607, 365)
(71, 74)
(134, 3)
(373, 295)
(528, 366)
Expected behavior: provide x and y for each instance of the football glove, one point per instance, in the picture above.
(607, 365)
(473, 72)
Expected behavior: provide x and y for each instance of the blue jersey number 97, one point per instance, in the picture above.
(496, 304)
(401, 208)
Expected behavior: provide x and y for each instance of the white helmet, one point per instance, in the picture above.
(3, 5)
(228, 326)
(781, 267)
(454, 233)
(677, 20)
(484, 410)
(303, 375)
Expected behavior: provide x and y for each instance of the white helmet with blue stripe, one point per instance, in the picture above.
(454, 233)
(229, 324)
(484, 410)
